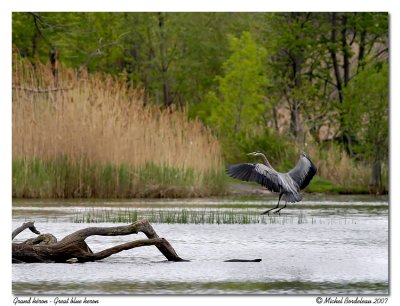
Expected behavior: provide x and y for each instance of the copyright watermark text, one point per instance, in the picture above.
(351, 300)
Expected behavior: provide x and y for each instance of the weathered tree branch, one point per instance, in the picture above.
(45, 248)
(42, 239)
(23, 227)
(122, 247)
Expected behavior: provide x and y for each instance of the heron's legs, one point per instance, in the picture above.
(277, 205)
(278, 210)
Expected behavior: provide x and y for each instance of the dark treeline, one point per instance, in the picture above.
(276, 82)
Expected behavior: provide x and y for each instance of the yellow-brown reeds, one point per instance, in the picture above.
(93, 137)
(335, 165)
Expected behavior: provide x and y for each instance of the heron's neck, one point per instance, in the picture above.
(265, 160)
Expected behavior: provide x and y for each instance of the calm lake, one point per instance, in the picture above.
(324, 245)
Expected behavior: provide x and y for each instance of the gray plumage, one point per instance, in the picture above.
(288, 185)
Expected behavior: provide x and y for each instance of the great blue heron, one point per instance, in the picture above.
(287, 184)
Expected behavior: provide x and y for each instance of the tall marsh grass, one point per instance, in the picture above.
(201, 216)
(335, 165)
(186, 216)
(94, 137)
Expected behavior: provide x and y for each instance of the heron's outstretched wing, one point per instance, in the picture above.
(258, 173)
(303, 172)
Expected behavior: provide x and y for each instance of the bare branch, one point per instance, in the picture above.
(39, 90)
(23, 227)
(98, 52)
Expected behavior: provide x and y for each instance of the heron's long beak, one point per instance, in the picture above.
(250, 154)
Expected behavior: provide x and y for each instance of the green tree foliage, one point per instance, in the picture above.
(82, 40)
(257, 78)
(366, 116)
(237, 107)
(174, 57)
(294, 55)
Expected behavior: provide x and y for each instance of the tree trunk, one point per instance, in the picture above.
(341, 83)
(376, 179)
(361, 50)
(164, 62)
(45, 248)
(346, 52)
(54, 64)
(295, 122)
(295, 103)
(335, 62)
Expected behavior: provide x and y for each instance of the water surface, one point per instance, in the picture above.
(335, 245)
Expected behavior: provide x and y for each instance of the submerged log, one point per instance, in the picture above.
(46, 248)
(243, 260)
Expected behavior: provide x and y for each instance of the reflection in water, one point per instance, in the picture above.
(343, 251)
(277, 287)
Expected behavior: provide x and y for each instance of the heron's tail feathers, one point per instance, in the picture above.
(292, 197)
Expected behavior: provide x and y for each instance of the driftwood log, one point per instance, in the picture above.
(46, 248)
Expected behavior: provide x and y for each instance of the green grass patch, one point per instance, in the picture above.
(63, 178)
(321, 185)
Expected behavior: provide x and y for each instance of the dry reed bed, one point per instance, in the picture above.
(335, 165)
(99, 134)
